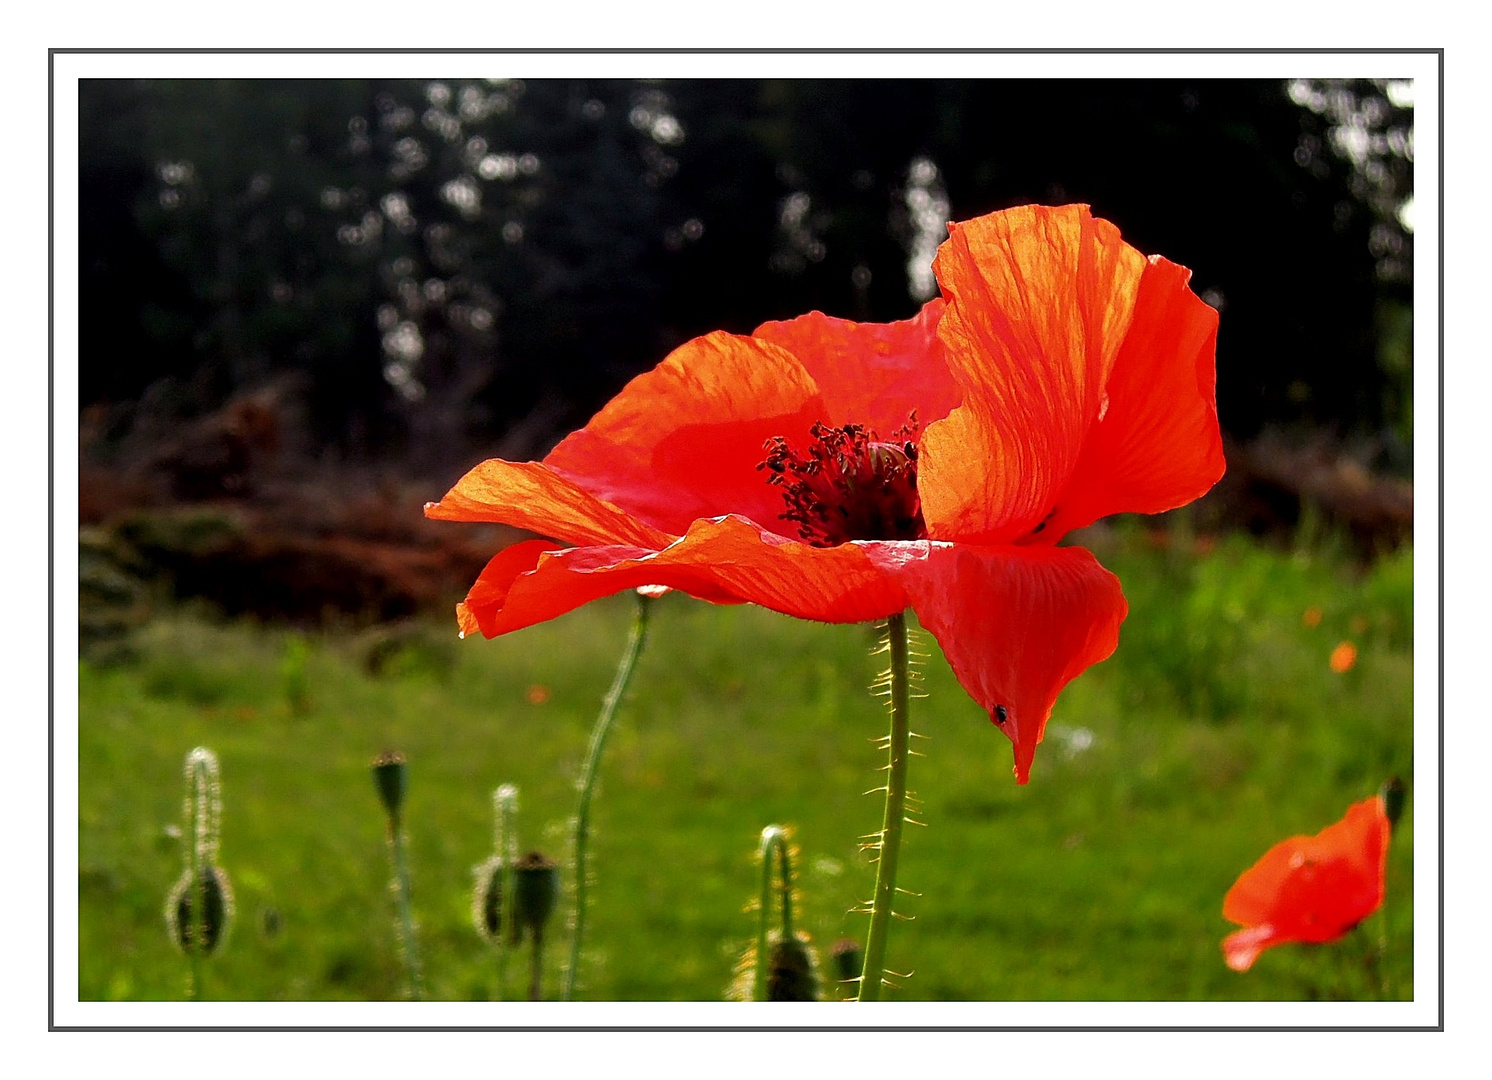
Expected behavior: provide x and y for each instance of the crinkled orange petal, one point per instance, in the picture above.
(724, 560)
(1156, 443)
(529, 495)
(1039, 299)
(496, 579)
(873, 374)
(1316, 888)
(1016, 623)
(682, 441)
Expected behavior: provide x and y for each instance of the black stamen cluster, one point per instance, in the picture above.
(849, 485)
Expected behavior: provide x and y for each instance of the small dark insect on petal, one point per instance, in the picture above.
(1000, 714)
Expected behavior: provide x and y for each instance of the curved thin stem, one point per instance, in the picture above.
(772, 837)
(891, 822)
(588, 781)
(785, 859)
(197, 932)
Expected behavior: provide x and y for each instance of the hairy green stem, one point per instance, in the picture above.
(787, 889)
(891, 822)
(588, 782)
(772, 838)
(505, 845)
(406, 911)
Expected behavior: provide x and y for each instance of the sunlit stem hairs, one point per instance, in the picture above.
(390, 777)
(896, 681)
(492, 899)
(783, 968)
(587, 784)
(200, 904)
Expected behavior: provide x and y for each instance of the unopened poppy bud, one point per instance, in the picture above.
(1393, 795)
(535, 891)
(790, 974)
(389, 775)
(849, 959)
(190, 932)
(487, 899)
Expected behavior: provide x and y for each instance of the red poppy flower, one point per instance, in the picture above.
(845, 471)
(1310, 888)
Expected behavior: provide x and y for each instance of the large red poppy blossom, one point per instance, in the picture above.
(1309, 888)
(845, 471)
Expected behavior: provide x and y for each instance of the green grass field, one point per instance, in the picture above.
(1217, 729)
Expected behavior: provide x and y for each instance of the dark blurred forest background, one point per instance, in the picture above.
(308, 306)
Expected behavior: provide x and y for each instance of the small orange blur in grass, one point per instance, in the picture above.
(1343, 657)
(1311, 617)
(537, 694)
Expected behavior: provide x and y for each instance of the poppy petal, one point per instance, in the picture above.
(1314, 888)
(722, 560)
(683, 441)
(1156, 443)
(1039, 299)
(529, 495)
(875, 374)
(1016, 624)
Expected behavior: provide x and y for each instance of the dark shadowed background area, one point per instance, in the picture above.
(309, 305)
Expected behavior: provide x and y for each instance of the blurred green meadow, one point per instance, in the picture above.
(1217, 729)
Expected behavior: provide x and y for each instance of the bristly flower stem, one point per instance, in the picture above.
(896, 807)
(406, 913)
(588, 782)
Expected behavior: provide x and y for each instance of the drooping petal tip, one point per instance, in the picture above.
(1016, 624)
(1242, 947)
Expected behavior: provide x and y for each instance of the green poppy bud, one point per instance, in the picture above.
(190, 932)
(790, 972)
(487, 899)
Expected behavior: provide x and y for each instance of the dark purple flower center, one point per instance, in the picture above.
(849, 485)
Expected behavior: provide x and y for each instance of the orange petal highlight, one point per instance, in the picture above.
(1039, 300)
(724, 560)
(873, 374)
(1311, 888)
(529, 495)
(1156, 444)
(1016, 623)
(682, 441)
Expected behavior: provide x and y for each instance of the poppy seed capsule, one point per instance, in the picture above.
(790, 972)
(181, 911)
(849, 959)
(389, 775)
(1393, 795)
(535, 891)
